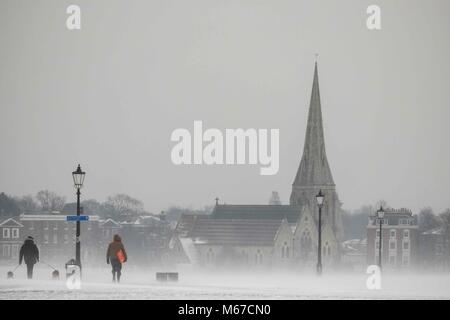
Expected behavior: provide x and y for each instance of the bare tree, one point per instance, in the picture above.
(8, 205)
(381, 203)
(92, 207)
(445, 216)
(27, 204)
(427, 219)
(49, 201)
(123, 206)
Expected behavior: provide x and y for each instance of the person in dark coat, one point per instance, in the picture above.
(30, 253)
(112, 255)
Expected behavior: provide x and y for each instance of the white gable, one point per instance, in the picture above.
(11, 223)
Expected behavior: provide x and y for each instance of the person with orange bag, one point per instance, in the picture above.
(117, 255)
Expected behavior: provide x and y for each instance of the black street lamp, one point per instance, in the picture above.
(319, 198)
(78, 179)
(380, 215)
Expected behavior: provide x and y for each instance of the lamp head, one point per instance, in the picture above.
(380, 213)
(319, 198)
(78, 177)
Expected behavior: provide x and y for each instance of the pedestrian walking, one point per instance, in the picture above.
(116, 255)
(29, 252)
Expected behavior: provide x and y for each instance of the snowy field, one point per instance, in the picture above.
(139, 284)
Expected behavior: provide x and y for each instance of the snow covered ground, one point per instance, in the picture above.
(139, 284)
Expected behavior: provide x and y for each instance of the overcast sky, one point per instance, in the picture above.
(109, 96)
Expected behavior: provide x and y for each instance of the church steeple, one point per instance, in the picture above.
(314, 173)
(314, 170)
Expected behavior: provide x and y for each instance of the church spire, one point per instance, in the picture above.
(314, 169)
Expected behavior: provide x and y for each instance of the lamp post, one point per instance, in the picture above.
(319, 199)
(380, 215)
(78, 179)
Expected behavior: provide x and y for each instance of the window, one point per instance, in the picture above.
(6, 250)
(378, 234)
(46, 225)
(6, 233)
(66, 238)
(55, 238)
(258, 257)
(285, 251)
(377, 245)
(405, 260)
(244, 255)
(406, 245)
(31, 225)
(55, 226)
(405, 233)
(392, 260)
(66, 225)
(14, 250)
(392, 245)
(392, 234)
(45, 238)
(15, 233)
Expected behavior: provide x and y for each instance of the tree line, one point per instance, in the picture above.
(119, 206)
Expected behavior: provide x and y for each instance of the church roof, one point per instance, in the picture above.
(242, 232)
(224, 211)
(240, 212)
(314, 169)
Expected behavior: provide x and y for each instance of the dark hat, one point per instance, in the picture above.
(30, 238)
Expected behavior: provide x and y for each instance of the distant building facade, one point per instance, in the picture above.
(434, 249)
(148, 240)
(399, 239)
(10, 238)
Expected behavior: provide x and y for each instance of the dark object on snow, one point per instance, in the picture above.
(172, 276)
(167, 276)
(30, 253)
(55, 275)
(161, 276)
(10, 274)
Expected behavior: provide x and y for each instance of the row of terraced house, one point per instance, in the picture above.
(148, 239)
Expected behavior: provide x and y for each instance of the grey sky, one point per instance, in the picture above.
(109, 96)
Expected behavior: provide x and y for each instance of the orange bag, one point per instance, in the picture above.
(120, 256)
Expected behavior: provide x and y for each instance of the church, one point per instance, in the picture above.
(274, 235)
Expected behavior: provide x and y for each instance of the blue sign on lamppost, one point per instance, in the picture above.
(77, 218)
